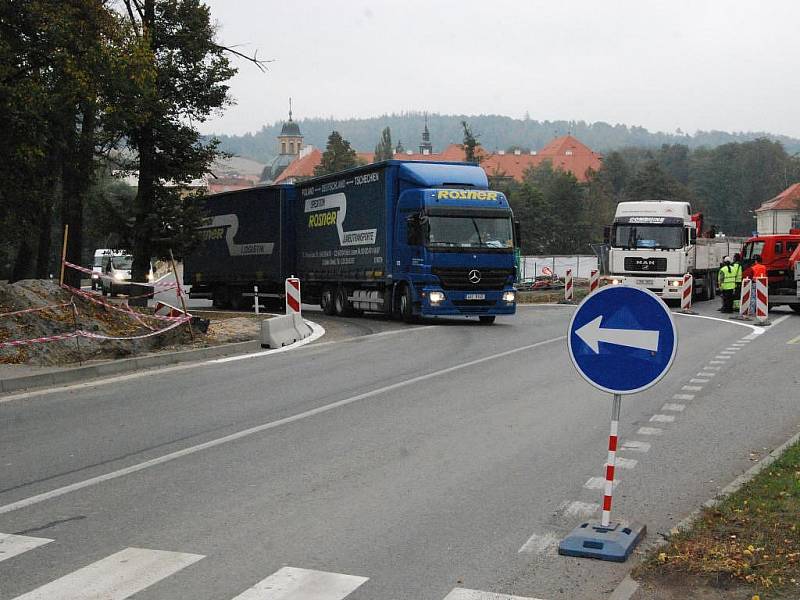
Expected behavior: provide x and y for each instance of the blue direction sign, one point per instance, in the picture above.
(622, 339)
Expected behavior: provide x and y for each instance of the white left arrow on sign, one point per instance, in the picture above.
(592, 334)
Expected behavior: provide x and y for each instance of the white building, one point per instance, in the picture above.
(781, 213)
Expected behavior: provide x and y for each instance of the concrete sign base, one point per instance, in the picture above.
(592, 540)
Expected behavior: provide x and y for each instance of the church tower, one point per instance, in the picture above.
(426, 147)
(290, 140)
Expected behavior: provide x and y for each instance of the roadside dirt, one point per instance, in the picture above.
(99, 319)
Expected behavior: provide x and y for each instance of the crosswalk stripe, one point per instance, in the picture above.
(290, 583)
(465, 594)
(115, 577)
(11, 545)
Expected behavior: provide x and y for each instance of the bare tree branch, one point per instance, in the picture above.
(260, 63)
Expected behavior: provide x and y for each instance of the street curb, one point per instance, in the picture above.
(124, 365)
(628, 586)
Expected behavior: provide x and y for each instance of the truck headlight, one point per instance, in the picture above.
(95, 275)
(436, 297)
(676, 283)
(150, 276)
(509, 296)
(615, 282)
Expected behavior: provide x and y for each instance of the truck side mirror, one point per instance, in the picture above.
(415, 231)
(692, 237)
(607, 234)
(518, 234)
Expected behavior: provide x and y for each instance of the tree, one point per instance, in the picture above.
(650, 182)
(384, 149)
(178, 74)
(470, 144)
(338, 156)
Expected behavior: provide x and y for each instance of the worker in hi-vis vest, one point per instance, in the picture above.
(727, 284)
(737, 292)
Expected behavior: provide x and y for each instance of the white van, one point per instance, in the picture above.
(102, 257)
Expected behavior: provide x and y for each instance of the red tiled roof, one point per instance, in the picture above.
(788, 199)
(565, 153)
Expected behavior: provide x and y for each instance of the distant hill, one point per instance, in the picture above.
(495, 132)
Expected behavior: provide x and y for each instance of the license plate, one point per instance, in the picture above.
(475, 297)
(644, 281)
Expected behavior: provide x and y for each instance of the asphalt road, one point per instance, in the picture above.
(398, 465)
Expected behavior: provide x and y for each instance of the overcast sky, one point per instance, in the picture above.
(690, 64)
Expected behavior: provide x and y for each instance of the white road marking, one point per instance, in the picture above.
(674, 407)
(625, 463)
(649, 431)
(115, 577)
(25, 502)
(662, 418)
(11, 545)
(779, 320)
(290, 583)
(465, 594)
(721, 357)
(716, 362)
(683, 396)
(539, 543)
(706, 374)
(756, 330)
(597, 483)
(731, 352)
(794, 340)
(636, 446)
(692, 388)
(698, 380)
(713, 368)
(581, 509)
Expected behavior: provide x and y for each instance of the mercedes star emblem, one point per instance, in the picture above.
(474, 276)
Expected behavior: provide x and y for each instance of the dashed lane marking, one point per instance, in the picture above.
(649, 431)
(699, 380)
(674, 407)
(539, 543)
(636, 446)
(721, 357)
(290, 583)
(662, 418)
(683, 396)
(730, 352)
(115, 577)
(692, 388)
(706, 374)
(465, 594)
(12, 545)
(577, 508)
(794, 340)
(716, 362)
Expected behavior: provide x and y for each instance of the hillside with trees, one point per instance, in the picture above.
(495, 132)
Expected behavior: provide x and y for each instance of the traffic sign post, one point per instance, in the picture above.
(622, 340)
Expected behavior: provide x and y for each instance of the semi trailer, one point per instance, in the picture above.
(404, 238)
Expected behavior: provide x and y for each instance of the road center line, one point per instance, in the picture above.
(258, 429)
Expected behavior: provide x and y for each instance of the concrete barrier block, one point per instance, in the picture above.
(302, 328)
(278, 331)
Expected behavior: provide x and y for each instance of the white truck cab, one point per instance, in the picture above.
(653, 244)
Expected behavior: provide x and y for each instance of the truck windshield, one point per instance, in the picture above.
(648, 236)
(123, 263)
(752, 249)
(470, 232)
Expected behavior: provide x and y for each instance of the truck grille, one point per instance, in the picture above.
(645, 265)
(459, 278)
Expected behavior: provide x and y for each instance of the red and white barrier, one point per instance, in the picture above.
(167, 310)
(30, 310)
(745, 298)
(610, 466)
(762, 301)
(39, 340)
(594, 280)
(292, 295)
(686, 293)
(569, 290)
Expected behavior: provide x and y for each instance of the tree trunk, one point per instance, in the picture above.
(44, 258)
(23, 264)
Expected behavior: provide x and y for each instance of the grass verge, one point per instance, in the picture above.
(750, 540)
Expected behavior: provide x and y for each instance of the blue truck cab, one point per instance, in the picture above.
(407, 238)
(454, 242)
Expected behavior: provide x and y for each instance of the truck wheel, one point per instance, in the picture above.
(341, 303)
(407, 305)
(795, 308)
(487, 319)
(708, 284)
(326, 301)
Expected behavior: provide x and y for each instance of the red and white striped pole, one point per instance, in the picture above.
(594, 280)
(686, 293)
(762, 301)
(611, 462)
(744, 301)
(292, 295)
(568, 289)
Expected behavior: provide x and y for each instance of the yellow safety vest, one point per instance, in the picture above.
(737, 268)
(727, 278)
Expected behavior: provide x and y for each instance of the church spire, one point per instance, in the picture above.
(290, 108)
(426, 147)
